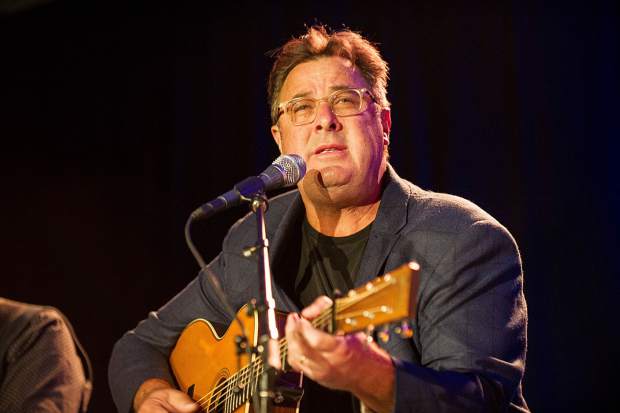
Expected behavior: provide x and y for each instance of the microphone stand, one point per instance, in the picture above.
(266, 309)
(285, 171)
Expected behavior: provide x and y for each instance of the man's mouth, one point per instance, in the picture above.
(324, 149)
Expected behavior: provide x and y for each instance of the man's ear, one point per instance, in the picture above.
(275, 132)
(386, 123)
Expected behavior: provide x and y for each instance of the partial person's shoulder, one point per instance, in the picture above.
(26, 322)
(11, 311)
(16, 316)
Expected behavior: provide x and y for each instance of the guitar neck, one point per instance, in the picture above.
(385, 299)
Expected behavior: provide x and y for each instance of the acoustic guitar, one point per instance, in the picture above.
(207, 367)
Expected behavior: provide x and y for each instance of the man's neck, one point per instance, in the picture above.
(337, 222)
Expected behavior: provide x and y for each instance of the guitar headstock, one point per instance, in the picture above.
(385, 299)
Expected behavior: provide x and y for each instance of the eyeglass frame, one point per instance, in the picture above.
(282, 106)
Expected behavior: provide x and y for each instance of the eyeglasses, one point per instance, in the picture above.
(344, 102)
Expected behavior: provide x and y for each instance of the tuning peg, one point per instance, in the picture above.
(384, 334)
(404, 330)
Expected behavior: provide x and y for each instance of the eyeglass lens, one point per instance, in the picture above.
(342, 103)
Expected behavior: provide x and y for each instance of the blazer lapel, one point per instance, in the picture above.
(391, 218)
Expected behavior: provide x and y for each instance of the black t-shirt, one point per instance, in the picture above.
(326, 264)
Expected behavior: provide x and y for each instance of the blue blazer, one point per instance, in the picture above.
(468, 349)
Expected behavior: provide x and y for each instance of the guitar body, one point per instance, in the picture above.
(202, 361)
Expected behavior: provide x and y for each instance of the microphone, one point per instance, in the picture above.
(285, 171)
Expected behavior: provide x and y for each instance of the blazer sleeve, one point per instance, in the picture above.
(471, 322)
(143, 353)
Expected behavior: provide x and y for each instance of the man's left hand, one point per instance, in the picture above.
(351, 362)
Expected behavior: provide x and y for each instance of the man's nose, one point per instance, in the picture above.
(325, 117)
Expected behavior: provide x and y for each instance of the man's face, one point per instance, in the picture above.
(348, 152)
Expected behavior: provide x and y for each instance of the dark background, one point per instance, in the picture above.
(119, 118)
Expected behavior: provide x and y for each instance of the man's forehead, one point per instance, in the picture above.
(325, 74)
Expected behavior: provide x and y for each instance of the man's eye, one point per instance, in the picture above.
(346, 99)
(302, 106)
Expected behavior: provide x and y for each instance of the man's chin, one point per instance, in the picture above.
(333, 177)
(326, 188)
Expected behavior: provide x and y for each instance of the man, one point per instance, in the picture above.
(353, 219)
(40, 370)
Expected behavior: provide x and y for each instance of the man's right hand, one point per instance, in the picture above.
(158, 396)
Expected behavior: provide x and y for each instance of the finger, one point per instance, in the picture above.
(316, 308)
(298, 349)
(361, 337)
(274, 354)
(181, 402)
(315, 339)
(310, 350)
(167, 400)
(151, 407)
(291, 324)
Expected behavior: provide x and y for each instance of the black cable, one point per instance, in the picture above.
(217, 288)
(190, 243)
(211, 277)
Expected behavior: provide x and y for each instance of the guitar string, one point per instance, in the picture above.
(245, 378)
(257, 364)
(320, 322)
(246, 372)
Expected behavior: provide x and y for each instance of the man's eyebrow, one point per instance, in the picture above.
(331, 89)
(300, 95)
(340, 87)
